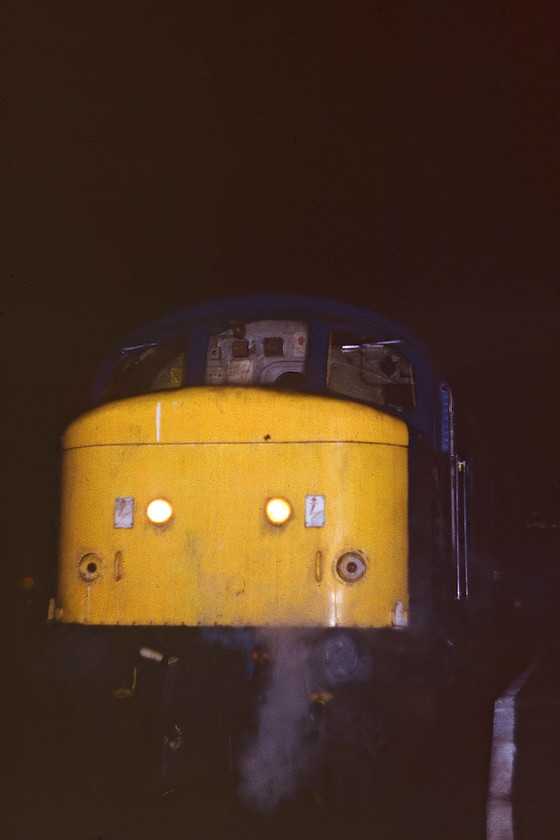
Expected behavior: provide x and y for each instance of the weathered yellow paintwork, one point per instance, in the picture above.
(218, 454)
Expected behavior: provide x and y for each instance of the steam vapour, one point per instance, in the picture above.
(281, 753)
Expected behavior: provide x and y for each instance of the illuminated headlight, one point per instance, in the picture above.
(278, 511)
(159, 511)
(351, 567)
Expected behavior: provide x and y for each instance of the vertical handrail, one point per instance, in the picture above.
(454, 497)
(463, 468)
(459, 511)
(462, 526)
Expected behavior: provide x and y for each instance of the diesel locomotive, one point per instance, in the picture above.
(269, 482)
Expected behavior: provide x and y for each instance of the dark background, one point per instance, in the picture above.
(398, 155)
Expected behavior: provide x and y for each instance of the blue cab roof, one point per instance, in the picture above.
(428, 416)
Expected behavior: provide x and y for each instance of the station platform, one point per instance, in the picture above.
(524, 779)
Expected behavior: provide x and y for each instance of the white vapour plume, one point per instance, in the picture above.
(279, 756)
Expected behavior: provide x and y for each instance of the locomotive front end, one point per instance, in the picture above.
(235, 507)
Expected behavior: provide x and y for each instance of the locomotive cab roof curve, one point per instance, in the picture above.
(429, 414)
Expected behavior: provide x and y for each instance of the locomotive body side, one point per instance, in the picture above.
(217, 455)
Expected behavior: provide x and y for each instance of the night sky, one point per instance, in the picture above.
(397, 155)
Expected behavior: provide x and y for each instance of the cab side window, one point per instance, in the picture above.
(371, 371)
(147, 368)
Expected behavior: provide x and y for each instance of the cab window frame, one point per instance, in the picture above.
(136, 373)
(360, 390)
